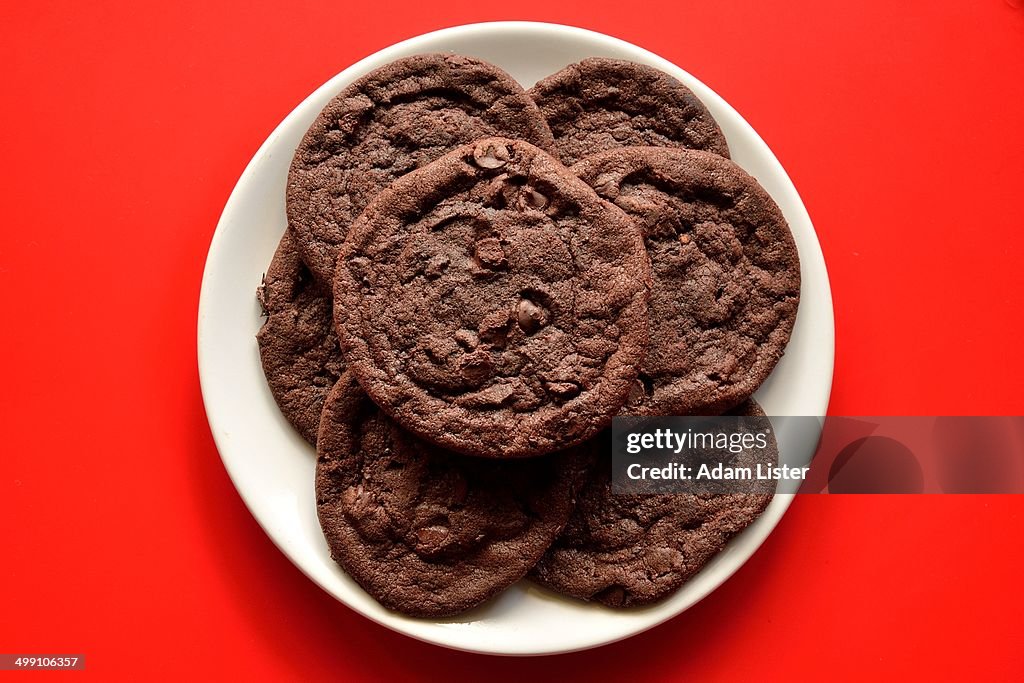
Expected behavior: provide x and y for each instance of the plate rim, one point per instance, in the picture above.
(825, 340)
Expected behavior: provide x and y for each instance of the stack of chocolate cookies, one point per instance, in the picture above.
(474, 281)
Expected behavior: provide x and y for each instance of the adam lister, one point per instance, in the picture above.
(720, 472)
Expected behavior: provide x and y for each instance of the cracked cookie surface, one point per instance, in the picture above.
(726, 275)
(599, 104)
(425, 531)
(298, 345)
(389, 122)
(493, 304)
(626, 550)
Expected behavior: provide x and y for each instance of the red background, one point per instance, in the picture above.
(124, 128)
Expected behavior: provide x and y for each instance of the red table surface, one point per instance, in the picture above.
(126, 125)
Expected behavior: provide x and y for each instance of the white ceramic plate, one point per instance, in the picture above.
(273, 468)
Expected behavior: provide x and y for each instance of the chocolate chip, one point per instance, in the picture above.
(489, 254)
(476, 367)
(490, 155)
(490, 397)
(431, 536)
(531, 317)
(562, 390)
(363, 509)
(494, 328)
(534, 199)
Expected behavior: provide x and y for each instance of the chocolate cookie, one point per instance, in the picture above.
(395, 119)
(628, 550)
(423, 530)
(726, 275)
(298, 345)
(493, 304)
(601, 104)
